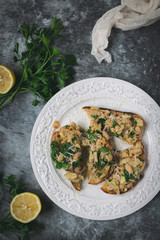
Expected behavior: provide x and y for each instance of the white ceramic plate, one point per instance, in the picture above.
(66, 106)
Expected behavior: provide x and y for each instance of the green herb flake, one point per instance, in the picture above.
(99, 174)
(128, 176)
(89, 130)
(54, 151)
(101, 163)
(93, 137)
(111, 163)
(114, 123)
(137, 180)
(115, 134)
(102, 121)
(77, 163)
(99, 132)
(140, 155)
(74, 139)
(67, 126)
(132, 134)
(59, 165)
(104, 149)
(135, 123)
(95, 117)
(66, 149)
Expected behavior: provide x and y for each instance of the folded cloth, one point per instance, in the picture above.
(131, 14)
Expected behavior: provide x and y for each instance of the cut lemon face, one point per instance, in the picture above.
(25, 207)
(7, 79)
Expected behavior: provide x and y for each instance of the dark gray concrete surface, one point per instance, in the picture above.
(136, 59)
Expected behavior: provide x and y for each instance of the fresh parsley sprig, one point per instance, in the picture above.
(44, 68)
(7, 223)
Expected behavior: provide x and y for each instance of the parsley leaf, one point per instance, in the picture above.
(111, 163)
(15, 187)
(128, 176)
(94, 117)
(114, 123)
(89, 130)
(45, 70)
(105, 150)
(66, 149)
(58, 165)
(77, 163)
(92, 136)
(99, 174)
(99, 132)
(102, 121)
(74, 139)
(132, 134)
(135, 123)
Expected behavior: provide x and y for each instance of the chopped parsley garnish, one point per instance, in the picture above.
(89, 130)
(140, 155)
(132, 134)
(92, 137)
(136, 179)
(66, 149)
(94, 117)
(99, 132)
(111, 163)
(77, 163)
(99, 174)
(54, 151)
(65, 164)
(58, 165)
(135, 123)
(104, 149)
(102, 121)
(114, 123)
(128, 176)
(67, 126)
(73, 139)
(100, 163)
(115, 134)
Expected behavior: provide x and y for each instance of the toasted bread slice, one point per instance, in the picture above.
(126, 126)
(101, 157)
(66, 152)
(127, 173)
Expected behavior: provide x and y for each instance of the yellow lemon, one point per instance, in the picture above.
(7, 79)
(25, 207)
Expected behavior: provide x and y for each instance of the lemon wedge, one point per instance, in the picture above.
(7, 79)
(25, 207)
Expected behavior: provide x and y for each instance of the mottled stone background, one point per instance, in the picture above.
(136, 56)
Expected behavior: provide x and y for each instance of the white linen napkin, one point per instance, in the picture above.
(131, 14)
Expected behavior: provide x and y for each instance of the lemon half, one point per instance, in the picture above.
(25, 207)
(7, 79)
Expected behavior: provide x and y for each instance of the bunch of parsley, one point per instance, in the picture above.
(45, 70)
(7, 223)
